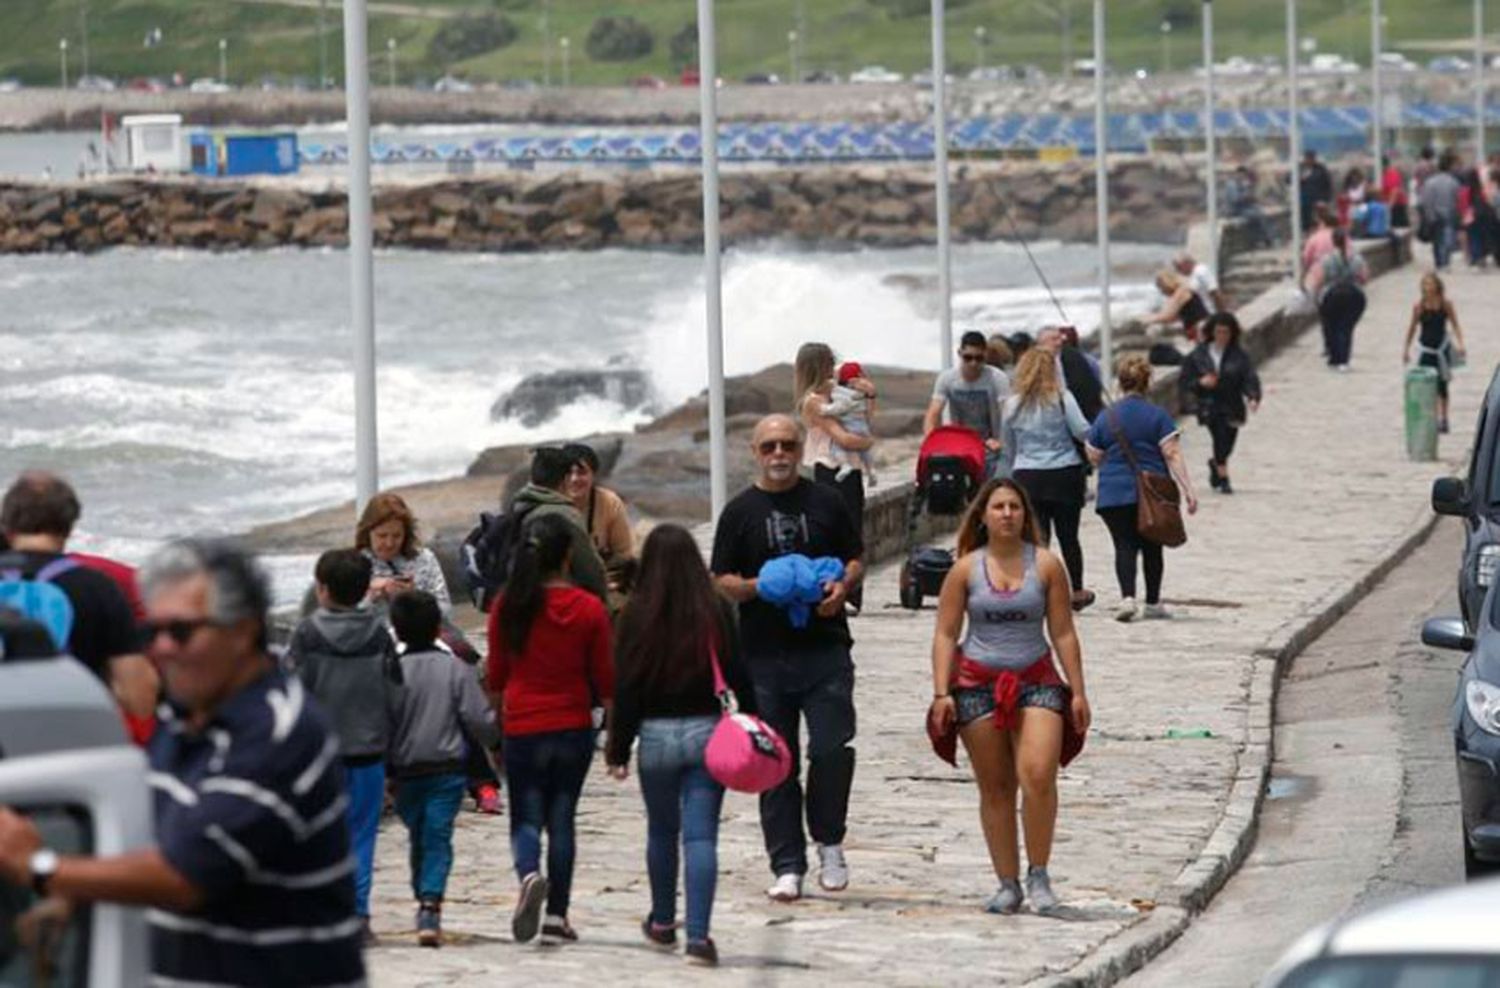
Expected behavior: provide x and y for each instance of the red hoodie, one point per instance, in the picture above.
(566, 669)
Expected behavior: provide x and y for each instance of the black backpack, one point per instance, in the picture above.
(949, 485)
(488, 552)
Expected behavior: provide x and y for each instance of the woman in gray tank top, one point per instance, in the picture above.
(1017, 717)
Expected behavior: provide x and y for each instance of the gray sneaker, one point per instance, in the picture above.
(1039, 891)
(1007, 898)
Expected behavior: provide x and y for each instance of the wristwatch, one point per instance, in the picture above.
(43, 866)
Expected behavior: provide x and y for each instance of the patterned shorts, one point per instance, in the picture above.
(979, 701)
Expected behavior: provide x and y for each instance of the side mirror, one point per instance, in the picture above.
(1450, 496)
(1447, 632)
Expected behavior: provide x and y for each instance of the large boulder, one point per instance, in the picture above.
(540, 397)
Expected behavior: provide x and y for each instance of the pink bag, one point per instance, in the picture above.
(744, 753)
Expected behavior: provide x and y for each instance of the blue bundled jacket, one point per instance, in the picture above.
(795, 584)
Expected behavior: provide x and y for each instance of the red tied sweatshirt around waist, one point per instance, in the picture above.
(566, 668)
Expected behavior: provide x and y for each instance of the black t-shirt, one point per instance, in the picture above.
(103, 625)
(757, 526)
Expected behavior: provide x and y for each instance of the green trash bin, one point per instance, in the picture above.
(1421, 413)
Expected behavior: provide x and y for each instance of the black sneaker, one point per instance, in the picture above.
(660, 936)
(556, 929)
(527, 918)
(1213, 475)
(367, 936)
(702, 952)
(1224, 487)
(430, 925)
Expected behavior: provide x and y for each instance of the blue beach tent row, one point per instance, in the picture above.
(1322, 128)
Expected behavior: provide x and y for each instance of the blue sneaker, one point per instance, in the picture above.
(430, 924)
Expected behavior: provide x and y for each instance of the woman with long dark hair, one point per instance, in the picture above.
(1220, 384)
(1341, 299)
(669, 634)
(1441, 343)
(550, 663)
(1015, 715)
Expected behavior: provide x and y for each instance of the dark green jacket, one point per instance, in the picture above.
(587, 568)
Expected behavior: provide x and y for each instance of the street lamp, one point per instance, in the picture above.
(224, 60)
(1377, 108)
(1166, 47)
(62, 51)
(980, 37)
(1479, 141)
(1294, 139)
(390, 61)
(791, 55)
(547, 43)
(940, 156)
(567, 47)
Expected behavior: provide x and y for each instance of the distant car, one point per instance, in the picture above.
(822, 77)
(452, 84)
(96, 84)
(1238, 65)
(923, 79)
(1396, 62)
(875, 73)
(1442, 939)
(763, 79)
(10, 85)
(1476, 499)
(648, 82)
(206, 85)
(1032, 73)
(65, 763)
(146, 85)
(1449, 65)
(1326, 64)
(689, 76)
(990, 73)
(1085, 67)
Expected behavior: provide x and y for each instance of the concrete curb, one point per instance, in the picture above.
(1230, 843)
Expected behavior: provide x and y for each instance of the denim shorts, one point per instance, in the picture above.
(979, 701)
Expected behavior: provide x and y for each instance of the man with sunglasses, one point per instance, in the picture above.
(972, 393)
(799, 673)
(250, 881)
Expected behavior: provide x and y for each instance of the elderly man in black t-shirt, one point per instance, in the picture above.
(798, 672)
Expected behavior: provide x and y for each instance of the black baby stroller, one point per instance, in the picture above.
(950, 471)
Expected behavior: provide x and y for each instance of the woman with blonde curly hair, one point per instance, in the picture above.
(1043, 426)
(387, 535)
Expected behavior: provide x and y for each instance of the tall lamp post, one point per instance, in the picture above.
(791, 56)
(1294, 138)
(940, 157)
(390, 62)
(361, 250)
(708, 71)
(1210, 135)
(1101, 194)
(1377, 98)
(62, 54)
(1166, 47)
(546, 42)
(224, 60)
(566, 45)
(1479, 101)
(981, 37)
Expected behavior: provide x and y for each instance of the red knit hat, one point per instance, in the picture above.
(849, 370)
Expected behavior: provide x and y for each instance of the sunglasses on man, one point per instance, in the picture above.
(972, 358)
(181, 631)
(773, 445)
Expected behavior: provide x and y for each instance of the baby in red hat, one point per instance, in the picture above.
(852, 402)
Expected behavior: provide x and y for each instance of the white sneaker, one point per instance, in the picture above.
(833, 870)
(787, 888)
(1155, 612)
(1127, 611)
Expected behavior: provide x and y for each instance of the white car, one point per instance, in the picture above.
(452, 84)
(991, 73)
(875, 73)
(1326, 64)
(1442, 939)
(1394, 61)
(206, 85)
(96, 84)
(1238, 65)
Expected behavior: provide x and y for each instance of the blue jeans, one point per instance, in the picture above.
(682, 801)
(1443, 242)
(366, 799)
(546, 772)
(428, 805)
(813, 683)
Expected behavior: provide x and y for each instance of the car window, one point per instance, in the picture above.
(1479, 444)
(36, 948)
(1397, 971)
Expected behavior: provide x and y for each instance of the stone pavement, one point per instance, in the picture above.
(1324, 493)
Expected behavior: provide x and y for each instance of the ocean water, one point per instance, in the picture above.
(185, 392)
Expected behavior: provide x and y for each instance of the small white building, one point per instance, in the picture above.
(154, 142)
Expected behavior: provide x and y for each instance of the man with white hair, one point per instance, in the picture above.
(1200, 278)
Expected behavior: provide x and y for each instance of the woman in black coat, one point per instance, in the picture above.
(1219, 382)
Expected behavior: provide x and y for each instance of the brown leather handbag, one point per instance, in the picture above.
(1158, 515)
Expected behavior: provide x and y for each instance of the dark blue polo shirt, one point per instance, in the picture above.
(251, 811)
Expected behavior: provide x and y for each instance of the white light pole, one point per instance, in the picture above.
(940, 156)
(708, 133)
(791, 55)
(566, 44)
(1294, 138)
(62, 53)
(361, 251)
(1166, 47)
(1101, 194)
(1377, 101)
(83, 30)
(1210, 135)
(980, 37)
(390, 62)
(1479, 84)
(546, 42)
(224, 60)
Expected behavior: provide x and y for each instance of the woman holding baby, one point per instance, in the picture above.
(835, 409)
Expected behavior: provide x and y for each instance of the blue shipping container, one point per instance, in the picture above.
(260, 154)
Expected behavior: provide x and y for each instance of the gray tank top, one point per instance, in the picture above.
(1005, 628)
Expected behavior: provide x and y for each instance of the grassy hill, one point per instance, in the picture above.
(279, 38)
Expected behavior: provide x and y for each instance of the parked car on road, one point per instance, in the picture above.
(452, 84)
(96, 84)
(822, 77)
(10, 84)
(1449, 64)
(66, 763)
(1442, 939)
(648, 82)
(206, 85)
(1394, 61)
(763, 79)
(990, 73)
(1476, 499)
(1476, 731)
(875, 73)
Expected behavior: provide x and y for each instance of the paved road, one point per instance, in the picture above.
(1363, 800)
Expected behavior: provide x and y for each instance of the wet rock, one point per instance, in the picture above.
(540, 397)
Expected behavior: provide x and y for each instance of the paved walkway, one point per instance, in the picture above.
(1324, 491)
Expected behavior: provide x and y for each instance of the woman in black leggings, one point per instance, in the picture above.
(1218, 381)
(1154, 446)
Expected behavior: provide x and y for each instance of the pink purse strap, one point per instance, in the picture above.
(727, 700)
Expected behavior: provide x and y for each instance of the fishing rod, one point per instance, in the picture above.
(1041, 275)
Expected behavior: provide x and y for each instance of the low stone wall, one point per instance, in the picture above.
(827, 204)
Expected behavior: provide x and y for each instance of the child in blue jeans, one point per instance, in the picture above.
(440, 700)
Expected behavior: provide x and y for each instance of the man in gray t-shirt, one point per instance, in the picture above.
(972, 393)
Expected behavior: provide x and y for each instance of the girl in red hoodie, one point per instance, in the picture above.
(550, 664)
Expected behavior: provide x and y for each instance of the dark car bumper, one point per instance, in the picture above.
(1479, 793)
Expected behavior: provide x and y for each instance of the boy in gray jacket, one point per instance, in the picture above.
(439, 701)
(347, 660)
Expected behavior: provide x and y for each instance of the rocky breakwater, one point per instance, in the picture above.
(894, 205)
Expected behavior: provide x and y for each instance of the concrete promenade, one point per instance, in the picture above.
(1325, 494)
